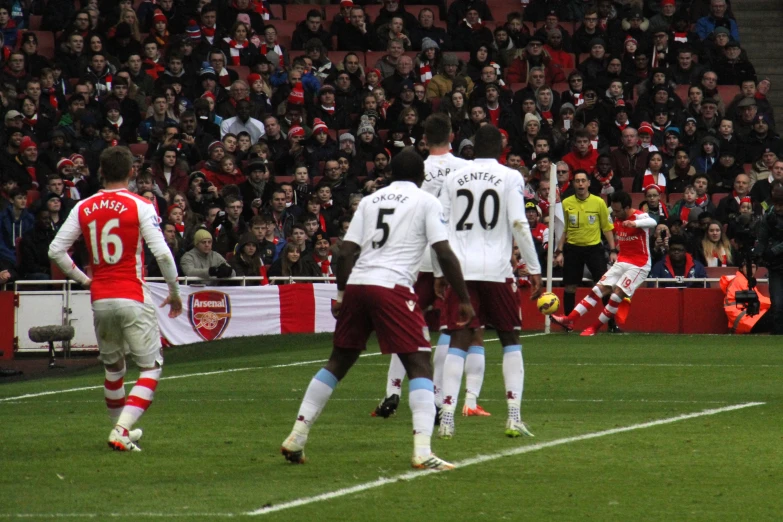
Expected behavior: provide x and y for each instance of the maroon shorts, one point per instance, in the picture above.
(425, 290)
(494, 303)
(393, 313)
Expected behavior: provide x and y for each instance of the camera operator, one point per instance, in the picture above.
(769, 250)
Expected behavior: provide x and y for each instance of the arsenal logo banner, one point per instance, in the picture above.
(234, 311)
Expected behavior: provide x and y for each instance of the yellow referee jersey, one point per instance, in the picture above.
(585, 220)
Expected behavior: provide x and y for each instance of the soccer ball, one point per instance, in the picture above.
(548, 303)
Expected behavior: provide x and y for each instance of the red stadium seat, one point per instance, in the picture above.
(682, 92)
(298, 12)
(138, 149)
(503, 8)
(636, 199)
(720, 271)
(276, 11)
(727, 93)
(317, 180)
(45, 42)
(517, 86)
(383, 134)
(435, 104)
(627, 184)
(674, 197)
(748, 167)
(581, 57)
(242, 70)
(284, 179)
(35, 22)
(717, 197)
(369, 165)
(32, 197)
(331, 11)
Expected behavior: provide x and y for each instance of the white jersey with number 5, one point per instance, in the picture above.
(484, 208)
(436, 168)
(394, 228)
(113, 223)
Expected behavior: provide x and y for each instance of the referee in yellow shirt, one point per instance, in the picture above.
(586, 218)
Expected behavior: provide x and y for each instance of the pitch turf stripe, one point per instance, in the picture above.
(494, 456)
(206, 374)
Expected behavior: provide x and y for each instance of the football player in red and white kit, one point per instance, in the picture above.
(632, 234)
(438, 165)
(483, 204)
(390, 231)
(114, 222)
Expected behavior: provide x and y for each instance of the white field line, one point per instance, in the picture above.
(206, 374)
(411, 475)
(480, 459)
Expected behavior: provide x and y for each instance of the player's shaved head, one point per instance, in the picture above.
(408, 166)
(487, 143)
(437, 129)
(116, 164)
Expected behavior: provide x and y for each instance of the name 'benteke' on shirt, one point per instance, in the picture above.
(479, 176)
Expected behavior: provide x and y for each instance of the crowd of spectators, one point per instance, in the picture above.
(256, 143)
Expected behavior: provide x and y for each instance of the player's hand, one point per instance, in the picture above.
(536, 288)
(176, 305)
(629, 223)
(440, 287)
(5, 275)
(336, 307)
(466, 314)
(559, 259)
(87, 284)
(613, 257)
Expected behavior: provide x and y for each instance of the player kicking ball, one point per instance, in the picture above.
(484, 208)
(632, 235)
(390, 232)
(114, 222)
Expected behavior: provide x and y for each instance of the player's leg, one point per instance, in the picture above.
(607, 314)
(573, 268)
(438, 361)
(596, 264)
(632, 278)
(474, 375)
(453, 369)
(514, 381)
(391, 400)
(596, 294)
(114, 388)
(317, 395)
(421, 398)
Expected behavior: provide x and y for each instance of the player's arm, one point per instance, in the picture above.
(349, 251)
(520, 229)
(62, 242)
(150, 231)
(641, 221)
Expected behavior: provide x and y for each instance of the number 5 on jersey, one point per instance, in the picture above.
(383, 226)
(101, 249)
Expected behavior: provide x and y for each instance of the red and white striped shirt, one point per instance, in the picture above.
(114, 223)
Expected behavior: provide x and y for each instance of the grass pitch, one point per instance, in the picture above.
(212, 438)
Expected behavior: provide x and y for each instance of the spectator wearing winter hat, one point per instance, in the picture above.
(665, 18)
(442, 82)
(596, 62)
(320, 144)
(26, 169)
(326, 109)
(557, 49)
(201, 261)
(531, 56)
(407, 99)
(296, 154)
(428, 61)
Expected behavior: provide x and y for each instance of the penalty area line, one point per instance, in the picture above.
(480, 459)
(205, 374)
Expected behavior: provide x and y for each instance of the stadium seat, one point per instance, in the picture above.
(463, 55)
(627, 184)
(331, 11)
(284, 179)
(682, 92)
(561, 86)
(298, 12)
(727, 93)
(435, 104)
(501, 10)
(383, 134)
(277, 12)
(35, 22)
(317, 180)
(32, 197)
(138, 149)
(57, 273)
(582, 57)
(242, 70)
(636, 199)
(45, 42)
(748, 167)
(720, 271)
(762, 273)
(674, 197)
(369, 165)
(517, 86)
(717, 197)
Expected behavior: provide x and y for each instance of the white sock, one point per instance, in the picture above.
(139, 398)
(439, 360)
(474, 375)
(514, 377)
(452, 378)
(422, 402)
(316, 397)
(395, 377)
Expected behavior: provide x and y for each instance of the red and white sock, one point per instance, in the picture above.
(140, 398)
(610, 309)
(586, 304)
(114, 393)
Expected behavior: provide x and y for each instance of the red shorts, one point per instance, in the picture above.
(393, 313)
(425, 290)
(494, 303)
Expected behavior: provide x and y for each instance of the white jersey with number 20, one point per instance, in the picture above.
(436, 168)
(484, 208)
(394, 228)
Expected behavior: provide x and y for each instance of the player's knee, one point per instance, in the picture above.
(508, 338)
(114, 367)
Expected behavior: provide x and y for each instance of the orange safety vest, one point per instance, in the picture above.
(739, 321)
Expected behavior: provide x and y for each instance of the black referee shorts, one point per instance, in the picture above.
(576, 257)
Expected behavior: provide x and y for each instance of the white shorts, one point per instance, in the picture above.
(124, 326)
(625, 276)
